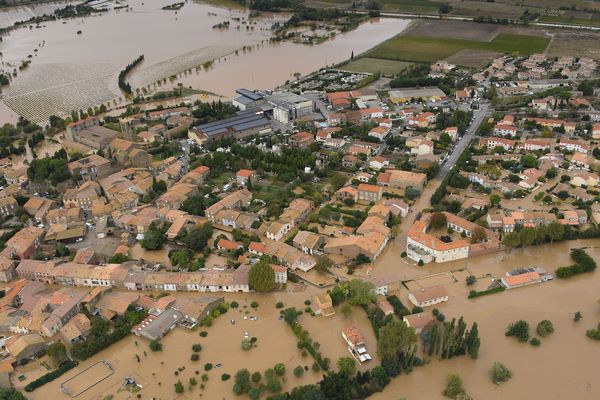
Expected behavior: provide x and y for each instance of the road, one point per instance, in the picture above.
(389, 260)
(464, 141)
(470, 19)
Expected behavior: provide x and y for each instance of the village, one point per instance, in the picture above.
(163, 218)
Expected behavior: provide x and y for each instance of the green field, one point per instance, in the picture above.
(430, 49)
(374, 65)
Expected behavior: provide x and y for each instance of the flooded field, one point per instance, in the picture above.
(71, 71)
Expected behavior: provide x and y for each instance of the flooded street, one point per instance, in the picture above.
(71, 71)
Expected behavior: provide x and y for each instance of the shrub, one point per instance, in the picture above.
(208, 366)
(234, 304)
(155, 346)
(246, 344)
(50, 376)
(256, 377)
(315, 367)
(545, 328)
(195, 357)
(193, 381)
(454, 388)
(298, 371)
(307, 302)
(471, 280)
(178, 387)
(279, 305)
(473, 293)
(421, 263)
(203, 333)
(577, 316)
(225, 377)
(254, 304)
(196, 347)
(417, 309)
(519, 329)
(499, 373)
(403, 254)
(535, 342)
(593, 333)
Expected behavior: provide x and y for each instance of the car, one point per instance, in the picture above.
(232, 322)
(246, 335)
(218, 365)
(79, 240)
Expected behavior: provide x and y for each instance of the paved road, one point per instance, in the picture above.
(464, 141)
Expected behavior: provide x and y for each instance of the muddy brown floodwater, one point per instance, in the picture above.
(563, 367)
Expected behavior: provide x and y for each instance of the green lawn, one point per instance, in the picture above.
(430, 49)
(374, 65)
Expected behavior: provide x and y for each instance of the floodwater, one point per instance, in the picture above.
(563, 367)
(71, 71)
(275, 344)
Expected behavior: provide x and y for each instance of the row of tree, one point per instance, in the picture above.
(451, 339)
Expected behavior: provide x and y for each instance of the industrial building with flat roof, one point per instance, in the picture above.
(245, 123)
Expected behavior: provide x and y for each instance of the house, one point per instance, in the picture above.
(596, 131)
(573, 145)
(301, 139)
(452, 132)
(323, 305)
(397, 207)
(25, 242)
(515, 281)
(196, 176)
(428, 296)
(538, 144)
(385, 284)
(92, 167)
(76, 330)
(26, 347)
(244, 175)
(369, 193)
(379, 132)
(349, 161)
(347, 192)
(174, 197)
(81, 197)
(280, 274)
(378, 162)
(418, 321)
(353, 337)
(493, 142)
(8, 206)
(385, 307)
(352, 246)
(405, 179)
(228, 245)
(307, 241)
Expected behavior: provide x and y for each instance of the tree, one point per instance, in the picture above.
(437, 220)
(262, 276)
(545, 328)
(197, 237)
(279, 369)
(395, 338)
(527, 236)
(478, 235)
(242, 382)
(495, 199)
(57, 352)
(473, 342)
(346, 310)
(62, 250)
(471, 280)
(499, 373)
(338, 180)
(155, 345)
(519, 329)
(454, 388)
(511, 240)
(577, 316)
(347, 366)
(153, 239)
(360, 293)
(555, 231)
(323, 264)
(118, 258)
(298, 371)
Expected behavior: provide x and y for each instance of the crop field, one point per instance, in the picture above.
(373, 65)
(430, 49)
(575, 44)
(557, 19)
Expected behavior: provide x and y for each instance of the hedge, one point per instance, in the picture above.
(50, 376)
(473, 294)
